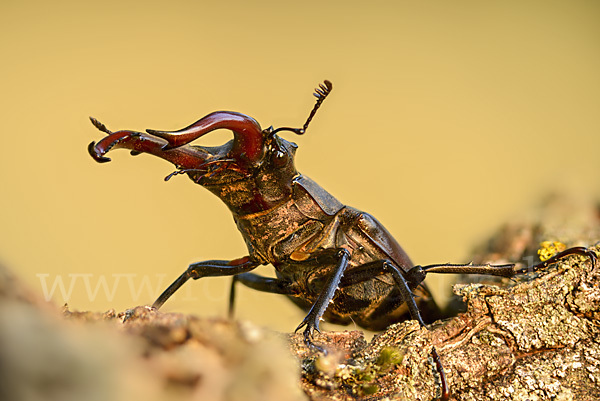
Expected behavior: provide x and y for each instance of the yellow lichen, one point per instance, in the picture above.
(549, 249)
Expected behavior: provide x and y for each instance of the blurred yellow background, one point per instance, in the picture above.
(446, 119)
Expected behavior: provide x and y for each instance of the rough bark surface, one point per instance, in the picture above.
(532, 338)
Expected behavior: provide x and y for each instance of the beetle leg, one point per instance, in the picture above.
(321, 93)
(415, 277)
(508, 270)
(260, 283)
(406, 281)
(311, 321)
(209, 268)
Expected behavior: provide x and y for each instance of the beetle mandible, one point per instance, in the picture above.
(338, 263)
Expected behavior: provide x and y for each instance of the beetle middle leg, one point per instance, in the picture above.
(209, 268)
(260, 283)
(312, 319)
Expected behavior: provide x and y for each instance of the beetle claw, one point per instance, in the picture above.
(593, 257)
(309, 331)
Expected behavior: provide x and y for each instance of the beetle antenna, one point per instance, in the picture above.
(177, 172)
(321, 93)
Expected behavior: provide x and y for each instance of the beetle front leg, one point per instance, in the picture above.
(311, 321)
(209, 268)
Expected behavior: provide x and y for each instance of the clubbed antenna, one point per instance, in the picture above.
(321, 93)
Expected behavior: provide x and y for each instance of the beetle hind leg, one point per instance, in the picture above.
(578, 250)
(508, 270)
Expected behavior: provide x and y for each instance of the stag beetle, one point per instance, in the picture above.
(334, 261)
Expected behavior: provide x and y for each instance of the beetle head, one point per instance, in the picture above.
(250, 149)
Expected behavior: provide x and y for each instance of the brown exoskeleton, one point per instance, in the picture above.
(334, 261)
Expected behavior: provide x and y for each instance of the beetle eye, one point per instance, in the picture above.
(279, 158)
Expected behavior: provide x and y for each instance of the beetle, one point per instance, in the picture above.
(336, 262)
